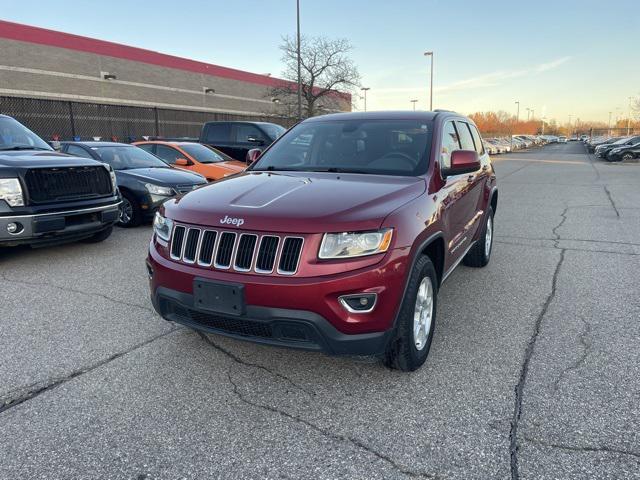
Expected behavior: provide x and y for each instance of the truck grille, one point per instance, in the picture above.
(244, 252)
(67, 183)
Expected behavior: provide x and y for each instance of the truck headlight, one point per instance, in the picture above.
(162, 226)
(158, 190)
(355, 244)
(11, 192)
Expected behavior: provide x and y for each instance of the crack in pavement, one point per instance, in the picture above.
(581, 449)
(329, 434)
(613, 242)
(74, 290)
(241, 361)
(584, 339)
(613, 204)
(569, 249)
(8, 403)
(524, 370)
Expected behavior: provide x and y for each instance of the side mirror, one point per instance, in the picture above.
(253, 155)
(182, 162)
(462, 161)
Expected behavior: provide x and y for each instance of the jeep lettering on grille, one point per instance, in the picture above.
(238, 222)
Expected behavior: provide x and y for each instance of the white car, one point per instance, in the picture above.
(562, 139)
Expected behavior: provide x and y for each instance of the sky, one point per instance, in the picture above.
(557, 58)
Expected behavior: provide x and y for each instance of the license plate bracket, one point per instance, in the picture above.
(219, 297)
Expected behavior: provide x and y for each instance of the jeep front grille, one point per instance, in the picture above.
(244, 252)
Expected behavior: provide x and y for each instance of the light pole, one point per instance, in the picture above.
(543, 120)
(299, 62)
(365, 90)
(569, 129)
(629, 117)
(517, 120)
(430, 54)
(533, 114)
(609, 126)
(414, 104)
(528, 111)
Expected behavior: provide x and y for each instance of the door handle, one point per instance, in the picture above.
(471, 178)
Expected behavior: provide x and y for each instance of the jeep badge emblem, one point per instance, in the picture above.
(238, 222)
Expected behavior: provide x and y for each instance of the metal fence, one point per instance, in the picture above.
(68, 120)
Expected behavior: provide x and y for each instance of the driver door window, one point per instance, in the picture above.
(244, 133)
(450, 143)
(168, 154)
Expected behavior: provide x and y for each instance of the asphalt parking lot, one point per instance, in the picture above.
(534, 371)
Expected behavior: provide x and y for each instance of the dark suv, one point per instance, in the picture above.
(237, 138)
(336, 239)
(48, 197)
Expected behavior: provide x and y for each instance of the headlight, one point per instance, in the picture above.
(162, 227)
(158, 190)
(355, 244)
(112, 174)
(11, 192)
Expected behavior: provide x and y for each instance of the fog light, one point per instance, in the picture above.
(14, 228)
(359, 303)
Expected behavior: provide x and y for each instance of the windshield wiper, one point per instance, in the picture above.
(337, 170)
(24, 147)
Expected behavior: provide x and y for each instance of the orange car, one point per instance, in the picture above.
(202, 159)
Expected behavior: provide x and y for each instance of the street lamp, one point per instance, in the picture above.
(533, 114)
(430, 54)
(299, 62)
(517, 120)
(629, 117)
(528, 110)
(414, 104)
(609, 126)
(365, 90)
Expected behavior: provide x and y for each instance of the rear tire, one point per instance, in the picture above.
(100, 236)
(130, 214)
(627, 156)
(480, 253)
(409, 346)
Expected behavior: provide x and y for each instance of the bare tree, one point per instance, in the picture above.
(327, 72)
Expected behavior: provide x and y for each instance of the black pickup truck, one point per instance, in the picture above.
(237, 138)
(47, 197)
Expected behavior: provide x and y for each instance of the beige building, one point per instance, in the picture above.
(45, 64)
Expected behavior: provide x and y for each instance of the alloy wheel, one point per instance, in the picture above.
(423, 313)
(488, 237)
(126, 211)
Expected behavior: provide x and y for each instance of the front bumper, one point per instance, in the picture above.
(55, 227)
(308, 303)
(298, 329)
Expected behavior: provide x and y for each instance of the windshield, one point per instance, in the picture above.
(621, 141)
(15, 136)
(273, 130)
(124, 157)
(204, 154)
(383, 147)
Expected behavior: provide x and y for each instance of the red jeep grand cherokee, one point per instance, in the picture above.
(336, 239)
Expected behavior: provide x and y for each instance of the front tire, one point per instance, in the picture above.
(409, 346)
(480, 253)
(130, 214)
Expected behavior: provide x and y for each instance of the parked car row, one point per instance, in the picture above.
(144, 175)
(498, 145)
(615, 149)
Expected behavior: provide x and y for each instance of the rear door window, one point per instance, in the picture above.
(147, 147)
(246, 133)
(477, 140)
(78, 151)
(218, 132)
(466, 140)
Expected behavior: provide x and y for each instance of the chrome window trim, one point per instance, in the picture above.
(253, 254)
(280, 272)
(275, 257)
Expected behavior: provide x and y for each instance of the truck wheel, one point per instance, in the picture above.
(480, 253)
(130, 215)
(409, 346)
(100, 236)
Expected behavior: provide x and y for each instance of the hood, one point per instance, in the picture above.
(163, 176)
(42, 159)
(297, 202)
